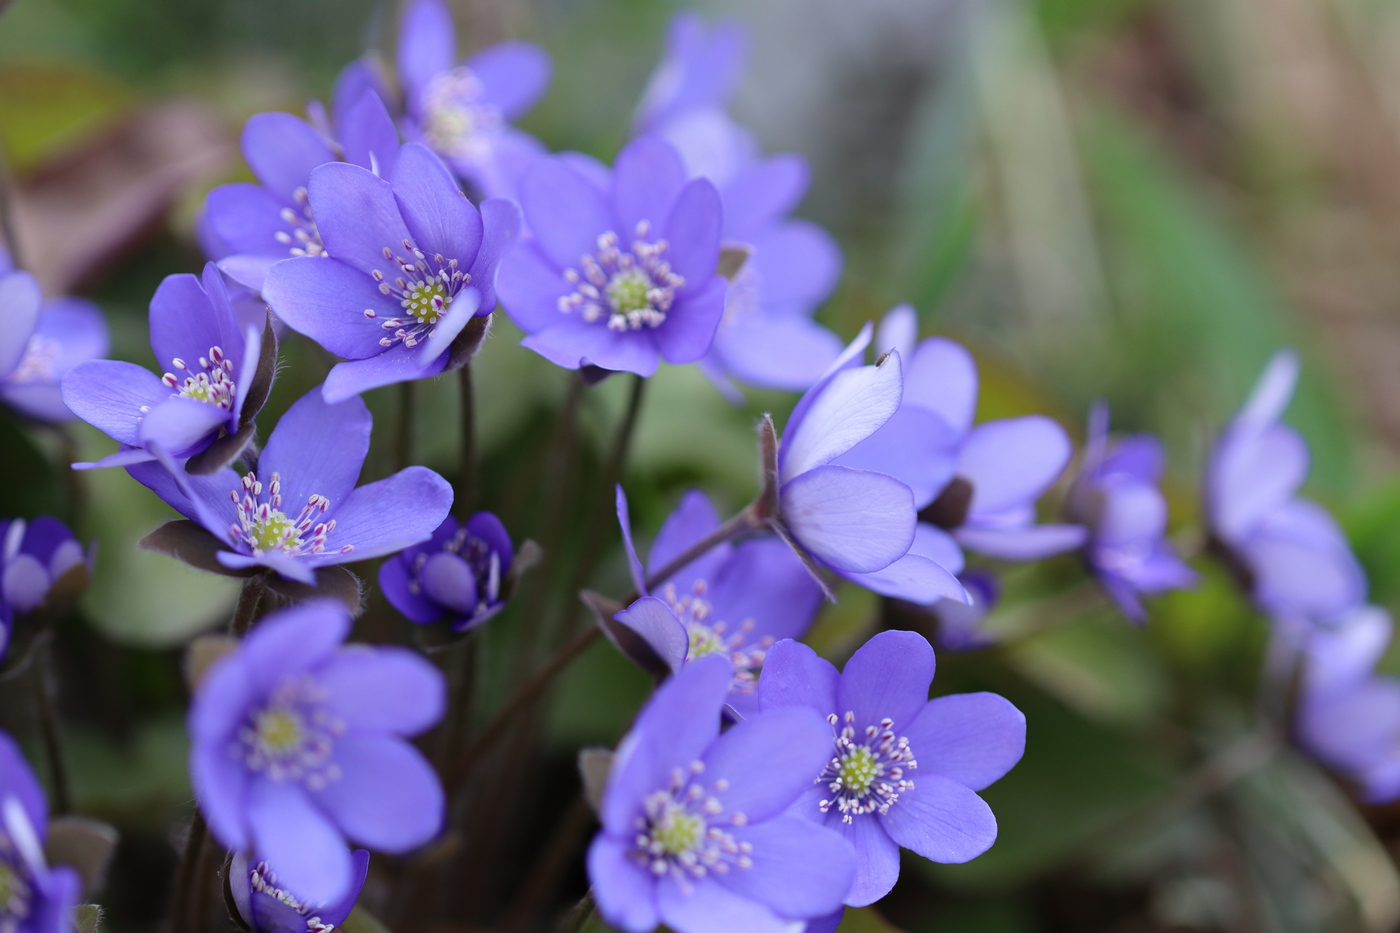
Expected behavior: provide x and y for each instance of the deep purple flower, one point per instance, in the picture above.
(34, 898)
(40, 341)
(249, 226)
(34, 555)
(298, 743)
(905, 768)
(213, 384)
(1288, 552)
(1348, 717)
(694, 831)
(619, 269)
(736, 600)
(408, 262)
(853, 517)
(266, 907)
(301, 509)
(1116, 497)
(456, 574)
(766, 337)
(980, 484)
(463, 111)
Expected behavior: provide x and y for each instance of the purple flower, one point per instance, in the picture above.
(1116, 497)
(766, 337)
(884, 729)
(853, 517)
(301, 510)
(214, 385)
(736, 600)
(455, 575)
(34, 898)
(977, 484)
(408, 262)
(463, 110)
(40, 341)
(694, 831)
(619, 269)
(298, 743)
(35, 555)
(268, 908)
(1348, 717)
(1287, 552)
(960, 624)
(249, 226)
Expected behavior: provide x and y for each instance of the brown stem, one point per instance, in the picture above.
(45, 690)
(467, 474)
(403, 444)
(578, 918)
(246, 612)
(183, 894)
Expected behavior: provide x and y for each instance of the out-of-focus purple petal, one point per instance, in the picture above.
(763, 193)
(427, 46)
(530, 287)
(389, 690)
(798, 263)
(501, 222)
(776, 352)
(566, 212)
(20, 300)
(915, 446)
(1251, 474)
(794, 675)
(942, 377)
(647, 178)
(764, 581)
(394, 582)
(1029, 542)
(692, 229)
(689, 329)
(291, 832)
(367, 134)
(1013, 461)
(800, 869)
(899, 331)
(1272, 392)
(1346, 654)
(407, 808)
(706, 906)
(282, 150)
(693, 519)
(769, 760)
(575, 343)
(513, 75)
(624, 889)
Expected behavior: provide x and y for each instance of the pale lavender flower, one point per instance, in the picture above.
(267, 907)
(34, 898)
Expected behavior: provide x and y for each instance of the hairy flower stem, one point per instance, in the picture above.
(403, 439)
(45, 695)
(246, 612)
(467, 474)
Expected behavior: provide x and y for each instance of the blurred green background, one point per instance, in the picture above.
(1136, 200)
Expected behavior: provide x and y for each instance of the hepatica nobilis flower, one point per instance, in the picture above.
(40, 341)
(618, 271)
(301, 509)
(34, 555)
(34, 898)
(735, 601)
(298, 743)
(859, 522)
(249, 226)
(979, 484)
(457, 575)
(463, 111)
(408, 262)
(267, 907)
(1116, 497)
(901, 770)
(694, 830)
(217, 373)
(1287, 552)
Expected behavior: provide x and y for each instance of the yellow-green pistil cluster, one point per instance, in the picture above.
(682, 830)
(868, 776)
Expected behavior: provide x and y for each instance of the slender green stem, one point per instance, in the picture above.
(467, 476)
(578, 918)
(45, 694)
(246, 612)
(403, 439)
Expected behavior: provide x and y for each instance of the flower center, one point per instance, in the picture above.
(292, 737)
(425, 286)
(302, 239)
(632, 288)
(15, 892)
(262, 880)
(263, 527)
(37, 363)
(684, 831)
(211, 383)
(709, 637)
(866, 776)
(456, 121)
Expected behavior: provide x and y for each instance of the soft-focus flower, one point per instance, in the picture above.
(1116, 497)
(694, 830)
(960, 624)
(40, 341)
(34, 898)
(736, 600)
(977, 484)
(456, 574)
(301, 509)
(214, 385)
(408, 261)
(903, 769)
(249, 226)
(268, 908)
(463, 111)
(855, 518)
(1288, 552)
(619, 269)
(298, 743)
(35, 555)
(1349, 717)
(767, 337)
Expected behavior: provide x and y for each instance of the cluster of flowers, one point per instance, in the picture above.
(759, 786)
